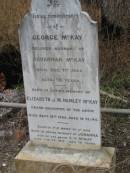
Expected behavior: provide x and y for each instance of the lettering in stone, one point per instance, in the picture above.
(59, 48)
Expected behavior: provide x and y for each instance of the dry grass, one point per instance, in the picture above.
(114, 56)
(11, 12)
(113, 42)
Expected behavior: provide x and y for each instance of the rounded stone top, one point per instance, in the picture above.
(56, 6)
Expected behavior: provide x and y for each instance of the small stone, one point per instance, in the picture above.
(124, 144)
(4, 165)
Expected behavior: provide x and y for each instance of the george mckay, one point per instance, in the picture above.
(55, 37)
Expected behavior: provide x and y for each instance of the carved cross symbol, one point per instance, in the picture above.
(53, 3)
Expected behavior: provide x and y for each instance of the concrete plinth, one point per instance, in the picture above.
(36, 158)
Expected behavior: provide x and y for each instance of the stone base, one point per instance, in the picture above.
(36, 158)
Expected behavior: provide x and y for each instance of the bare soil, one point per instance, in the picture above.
(14, 135)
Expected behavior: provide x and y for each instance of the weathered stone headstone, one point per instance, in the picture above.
(59, 46)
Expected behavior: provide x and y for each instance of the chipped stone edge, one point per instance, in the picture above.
(89, 17)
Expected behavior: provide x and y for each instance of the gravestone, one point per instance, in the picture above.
(60, 65)
(59, 48)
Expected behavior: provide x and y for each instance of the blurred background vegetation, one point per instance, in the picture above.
(114, 30)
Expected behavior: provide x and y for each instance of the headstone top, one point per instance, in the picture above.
(56, 6)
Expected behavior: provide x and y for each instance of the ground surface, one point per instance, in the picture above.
(14, 135)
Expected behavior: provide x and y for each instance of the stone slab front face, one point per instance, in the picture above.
(59, 47)
(40, 159)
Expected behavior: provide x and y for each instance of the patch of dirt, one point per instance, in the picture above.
(13, 136)
(116, 133)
